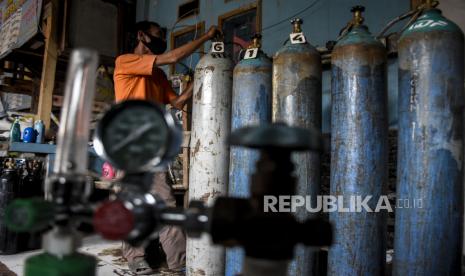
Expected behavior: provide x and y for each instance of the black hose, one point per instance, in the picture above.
(394, 21)
(413, 13)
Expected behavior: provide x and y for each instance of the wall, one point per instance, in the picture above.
(322, 22)
(455, 11)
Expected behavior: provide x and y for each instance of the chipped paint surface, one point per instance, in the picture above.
(251, 105)
(209, 163)
(430, 152)
(296, 100)
(359, 152)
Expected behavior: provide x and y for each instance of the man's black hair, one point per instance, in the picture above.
(143, 26)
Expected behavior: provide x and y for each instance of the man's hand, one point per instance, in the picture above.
(173, 56)
(213, 32)
(181, 100)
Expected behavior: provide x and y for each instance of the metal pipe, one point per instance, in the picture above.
(73, 135)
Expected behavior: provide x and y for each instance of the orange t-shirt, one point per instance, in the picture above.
(136, 77)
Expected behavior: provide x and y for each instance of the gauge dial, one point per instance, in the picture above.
(134, 135)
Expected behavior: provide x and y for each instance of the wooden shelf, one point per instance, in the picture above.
(39, 148)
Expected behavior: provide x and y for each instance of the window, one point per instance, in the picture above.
(182, 37)
(239, 26)
(188, 9)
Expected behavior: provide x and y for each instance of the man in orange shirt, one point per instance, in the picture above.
(137, 76)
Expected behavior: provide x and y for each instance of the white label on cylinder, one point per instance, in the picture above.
(251, 53)
(297, 38)
(217, 47)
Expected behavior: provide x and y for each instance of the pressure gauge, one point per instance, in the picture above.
(137, 136)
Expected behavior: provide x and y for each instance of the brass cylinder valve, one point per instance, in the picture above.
(296, 24)
(358, 19)
(256, 41)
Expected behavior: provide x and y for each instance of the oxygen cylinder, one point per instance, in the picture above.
(209, 151)
(359, 140)
(9, 242)
(251, 105)
(429, 216)
(296, 101)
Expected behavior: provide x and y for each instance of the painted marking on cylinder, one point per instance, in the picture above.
(413, 93)
(198, 95)
(428, 23)
(413, 130)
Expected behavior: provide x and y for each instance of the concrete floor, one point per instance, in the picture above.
(108, 253)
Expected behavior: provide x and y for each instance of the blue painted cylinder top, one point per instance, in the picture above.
(429, 216)
(359, 139)
(251, 105)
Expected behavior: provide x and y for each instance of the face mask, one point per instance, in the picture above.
(156, 45)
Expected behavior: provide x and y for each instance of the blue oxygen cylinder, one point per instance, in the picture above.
(359, 151)
(429, 218)
(251, 106)
(296, 101)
